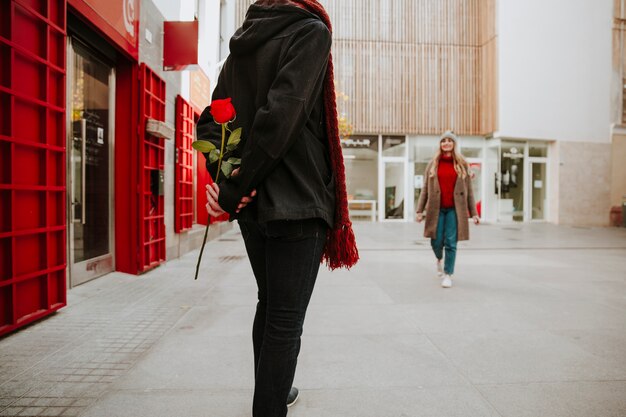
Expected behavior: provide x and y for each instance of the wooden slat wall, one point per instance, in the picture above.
(619, 57)
(489, 67)
(415, 66)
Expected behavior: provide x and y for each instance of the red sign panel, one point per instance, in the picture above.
(180, 45)
(118, 19)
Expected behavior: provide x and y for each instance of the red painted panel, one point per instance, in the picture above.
(6, 104)
(126, 169)
(5, 260)
(56, 127)
(29, 254)
(31, 296)
(56, 289)
(56, 252)
(30, 30)
(151, 164)
(180, 45)
(55, 168)
(32, 134)
(6, 308)
(32, 120)
(34, 159)
(55, 209)
(29, 210)
(5, 211)
(183, 181)
(32, 77)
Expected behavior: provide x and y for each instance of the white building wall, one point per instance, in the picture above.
(208, 14)
(554, 69)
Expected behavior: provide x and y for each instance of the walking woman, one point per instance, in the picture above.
(447, 198)
(289, 195)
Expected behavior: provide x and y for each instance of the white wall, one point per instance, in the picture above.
(208, 13)
(208, 49)
(555, 68)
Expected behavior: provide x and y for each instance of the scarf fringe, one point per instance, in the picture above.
(341, 250)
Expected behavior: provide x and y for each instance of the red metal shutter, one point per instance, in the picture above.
(183, 181)
(32, 160)
(151, 168)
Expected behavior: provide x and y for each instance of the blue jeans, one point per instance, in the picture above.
(446, 237)
(285, 257)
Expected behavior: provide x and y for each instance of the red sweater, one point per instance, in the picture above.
(447, 180)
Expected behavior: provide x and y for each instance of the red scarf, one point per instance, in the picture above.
(340, 250)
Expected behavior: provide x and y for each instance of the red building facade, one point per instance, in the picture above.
(83, 138)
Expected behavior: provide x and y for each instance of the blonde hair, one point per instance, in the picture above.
(460, 164)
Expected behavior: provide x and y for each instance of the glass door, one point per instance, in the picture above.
(91, 93)
(490, 200)
(512, 181)
(393, 191)
(476, 175)
(538, 192)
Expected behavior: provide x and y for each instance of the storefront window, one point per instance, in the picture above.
(471, 147)
(538, 149)
(394, 145)
(360, 155)
(423, 149)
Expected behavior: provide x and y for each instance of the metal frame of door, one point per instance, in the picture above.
(84, 271)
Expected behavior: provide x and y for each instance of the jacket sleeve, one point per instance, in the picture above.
(279, 123)
(471, 203)
(421, 202)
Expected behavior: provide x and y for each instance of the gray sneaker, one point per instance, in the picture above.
(439, 268)
(293, 396)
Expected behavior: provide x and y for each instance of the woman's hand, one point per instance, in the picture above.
(476, 219)
(420, 217)
(212, 196)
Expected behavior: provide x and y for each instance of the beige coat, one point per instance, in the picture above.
(430, 201)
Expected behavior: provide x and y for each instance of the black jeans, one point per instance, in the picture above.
(285, 257)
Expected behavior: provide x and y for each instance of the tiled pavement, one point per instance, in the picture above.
(534, 326)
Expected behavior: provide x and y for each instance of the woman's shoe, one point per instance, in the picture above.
(439, 268)
(293, 396)
(447, 281)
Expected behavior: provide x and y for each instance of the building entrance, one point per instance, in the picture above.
(90, 119)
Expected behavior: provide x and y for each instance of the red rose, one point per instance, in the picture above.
(223, 111)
